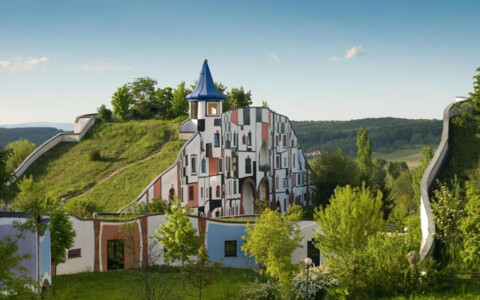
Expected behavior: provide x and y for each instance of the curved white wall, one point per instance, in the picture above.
(82, 126)
(429, 177)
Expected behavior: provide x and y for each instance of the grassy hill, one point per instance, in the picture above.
(132, 153)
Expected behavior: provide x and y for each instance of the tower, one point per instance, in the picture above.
(205, 101)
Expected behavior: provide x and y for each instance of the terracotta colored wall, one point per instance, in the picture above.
(265, 131)
(194, 202)
(235, 116)
(112, 232)
(157, 188)
(213, 166)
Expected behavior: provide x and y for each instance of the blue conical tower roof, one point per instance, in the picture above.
(205, 89)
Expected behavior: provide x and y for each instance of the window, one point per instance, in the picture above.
(216, 139)
(227, 164)
(299, 179)
(284, 162)
(248, 165)
(313, 252)
(249, 138)
(193, 110)
(276, 140)
(220, 165)
(190, 193)
(234, 187)
(204, 166)
(206, 192)
(284, 141)
(277, 185)
(201, 192)
(234, 138)
(293, 160)
(278, 161)
(284, 182)
(217, 194)
(230, 248)
(74, 253)
(227, 140)
(244, 140)
(212, 108)
(194, 164)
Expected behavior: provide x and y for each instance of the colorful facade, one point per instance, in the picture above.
(234, 160)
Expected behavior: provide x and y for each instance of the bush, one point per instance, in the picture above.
(104, 114)
(82, 208)
(260, 291)
(320, 282)
(94, 155)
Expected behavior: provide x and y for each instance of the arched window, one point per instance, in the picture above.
(204, 166)
(218, 191)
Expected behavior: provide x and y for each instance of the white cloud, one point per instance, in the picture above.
(103, 66)
(334, 58)
(273, 57)
(354, 52)
(23, 63)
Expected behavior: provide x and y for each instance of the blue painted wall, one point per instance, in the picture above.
(45, 255)
(217, 234)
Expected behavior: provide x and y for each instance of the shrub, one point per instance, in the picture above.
(320, 282)
(82, 208)
(104, 114)
(94, 155)
(260, 291)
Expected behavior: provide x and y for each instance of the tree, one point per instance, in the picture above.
(165, 102)
(20, 149)
(332, 170)
(475, 96)
(378, 182)
(5, 173)
(143, 96)
(178, 236)
(364, 154)
(62, 237)
(470, 223)
(200, 272)
(121, 101)
(396, 168)
(272, 241)
(345, 225)
(180, 103)
(104, 114)
(237, 98)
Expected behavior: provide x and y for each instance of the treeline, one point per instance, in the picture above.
(142, 98)
(386, 134)
(36, 135)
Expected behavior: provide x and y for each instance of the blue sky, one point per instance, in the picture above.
(311, 60)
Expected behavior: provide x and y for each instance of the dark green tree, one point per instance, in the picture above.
(121, 101)
(475, 96)
(5, 173)
(104, 114)
(364, 154)
(395, 168)
(332, 170)
(143, 96)
(237, 98)
(62, 237)
(165, 102)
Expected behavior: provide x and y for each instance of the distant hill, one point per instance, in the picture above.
(387, 134)
(36, 135)
(61, 126)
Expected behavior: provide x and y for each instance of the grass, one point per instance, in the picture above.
(129, 159)
(121, 285)
(402, 155)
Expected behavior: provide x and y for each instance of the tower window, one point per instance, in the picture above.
(248, 165)
(212, 108)
(216, 140)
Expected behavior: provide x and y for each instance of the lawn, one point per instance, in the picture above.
(122, 285)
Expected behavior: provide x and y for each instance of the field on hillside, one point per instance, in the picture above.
(132, 153)
(411, 156)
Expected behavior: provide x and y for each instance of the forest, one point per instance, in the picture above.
(386, 134)
(36, 135)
